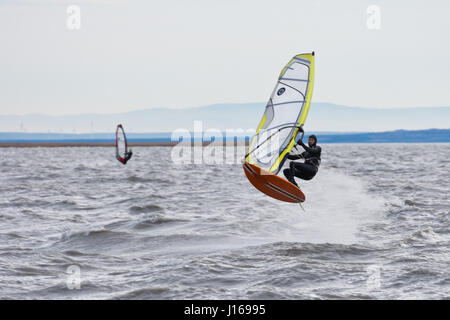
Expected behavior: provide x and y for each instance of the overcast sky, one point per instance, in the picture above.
(135, 54)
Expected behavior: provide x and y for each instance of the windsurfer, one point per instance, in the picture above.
(127, 157)
(309, 168)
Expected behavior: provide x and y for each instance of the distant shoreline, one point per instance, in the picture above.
(101, 144)
(165, 139)
(80, 144)
(172, 144)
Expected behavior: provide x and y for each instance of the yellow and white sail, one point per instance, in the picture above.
(285, 112)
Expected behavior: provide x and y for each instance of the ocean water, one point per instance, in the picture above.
(76, 224)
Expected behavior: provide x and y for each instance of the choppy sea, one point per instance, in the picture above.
(77, 224)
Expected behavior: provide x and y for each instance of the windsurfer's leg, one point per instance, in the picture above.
(304, 171)
(289, 173)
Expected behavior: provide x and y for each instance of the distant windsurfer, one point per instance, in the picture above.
(127, 157)
(309, 168)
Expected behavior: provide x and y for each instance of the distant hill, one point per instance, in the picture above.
(400, 136)
(322, 117)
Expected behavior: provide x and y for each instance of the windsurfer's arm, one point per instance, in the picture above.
(311, 150)
(129, 154)
(294, 156)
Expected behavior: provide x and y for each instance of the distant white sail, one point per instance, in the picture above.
(121, 144)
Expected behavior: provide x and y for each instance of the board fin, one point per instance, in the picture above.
(301, 206)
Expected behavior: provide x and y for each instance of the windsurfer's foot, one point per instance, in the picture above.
(289, 177)
(291, 180)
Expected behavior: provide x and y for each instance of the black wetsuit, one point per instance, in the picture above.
(128, 156)
(307, 170)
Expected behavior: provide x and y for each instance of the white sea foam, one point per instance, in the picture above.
(336, 206)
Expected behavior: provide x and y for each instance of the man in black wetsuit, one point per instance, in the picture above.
(127, 157)
(309, 168)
